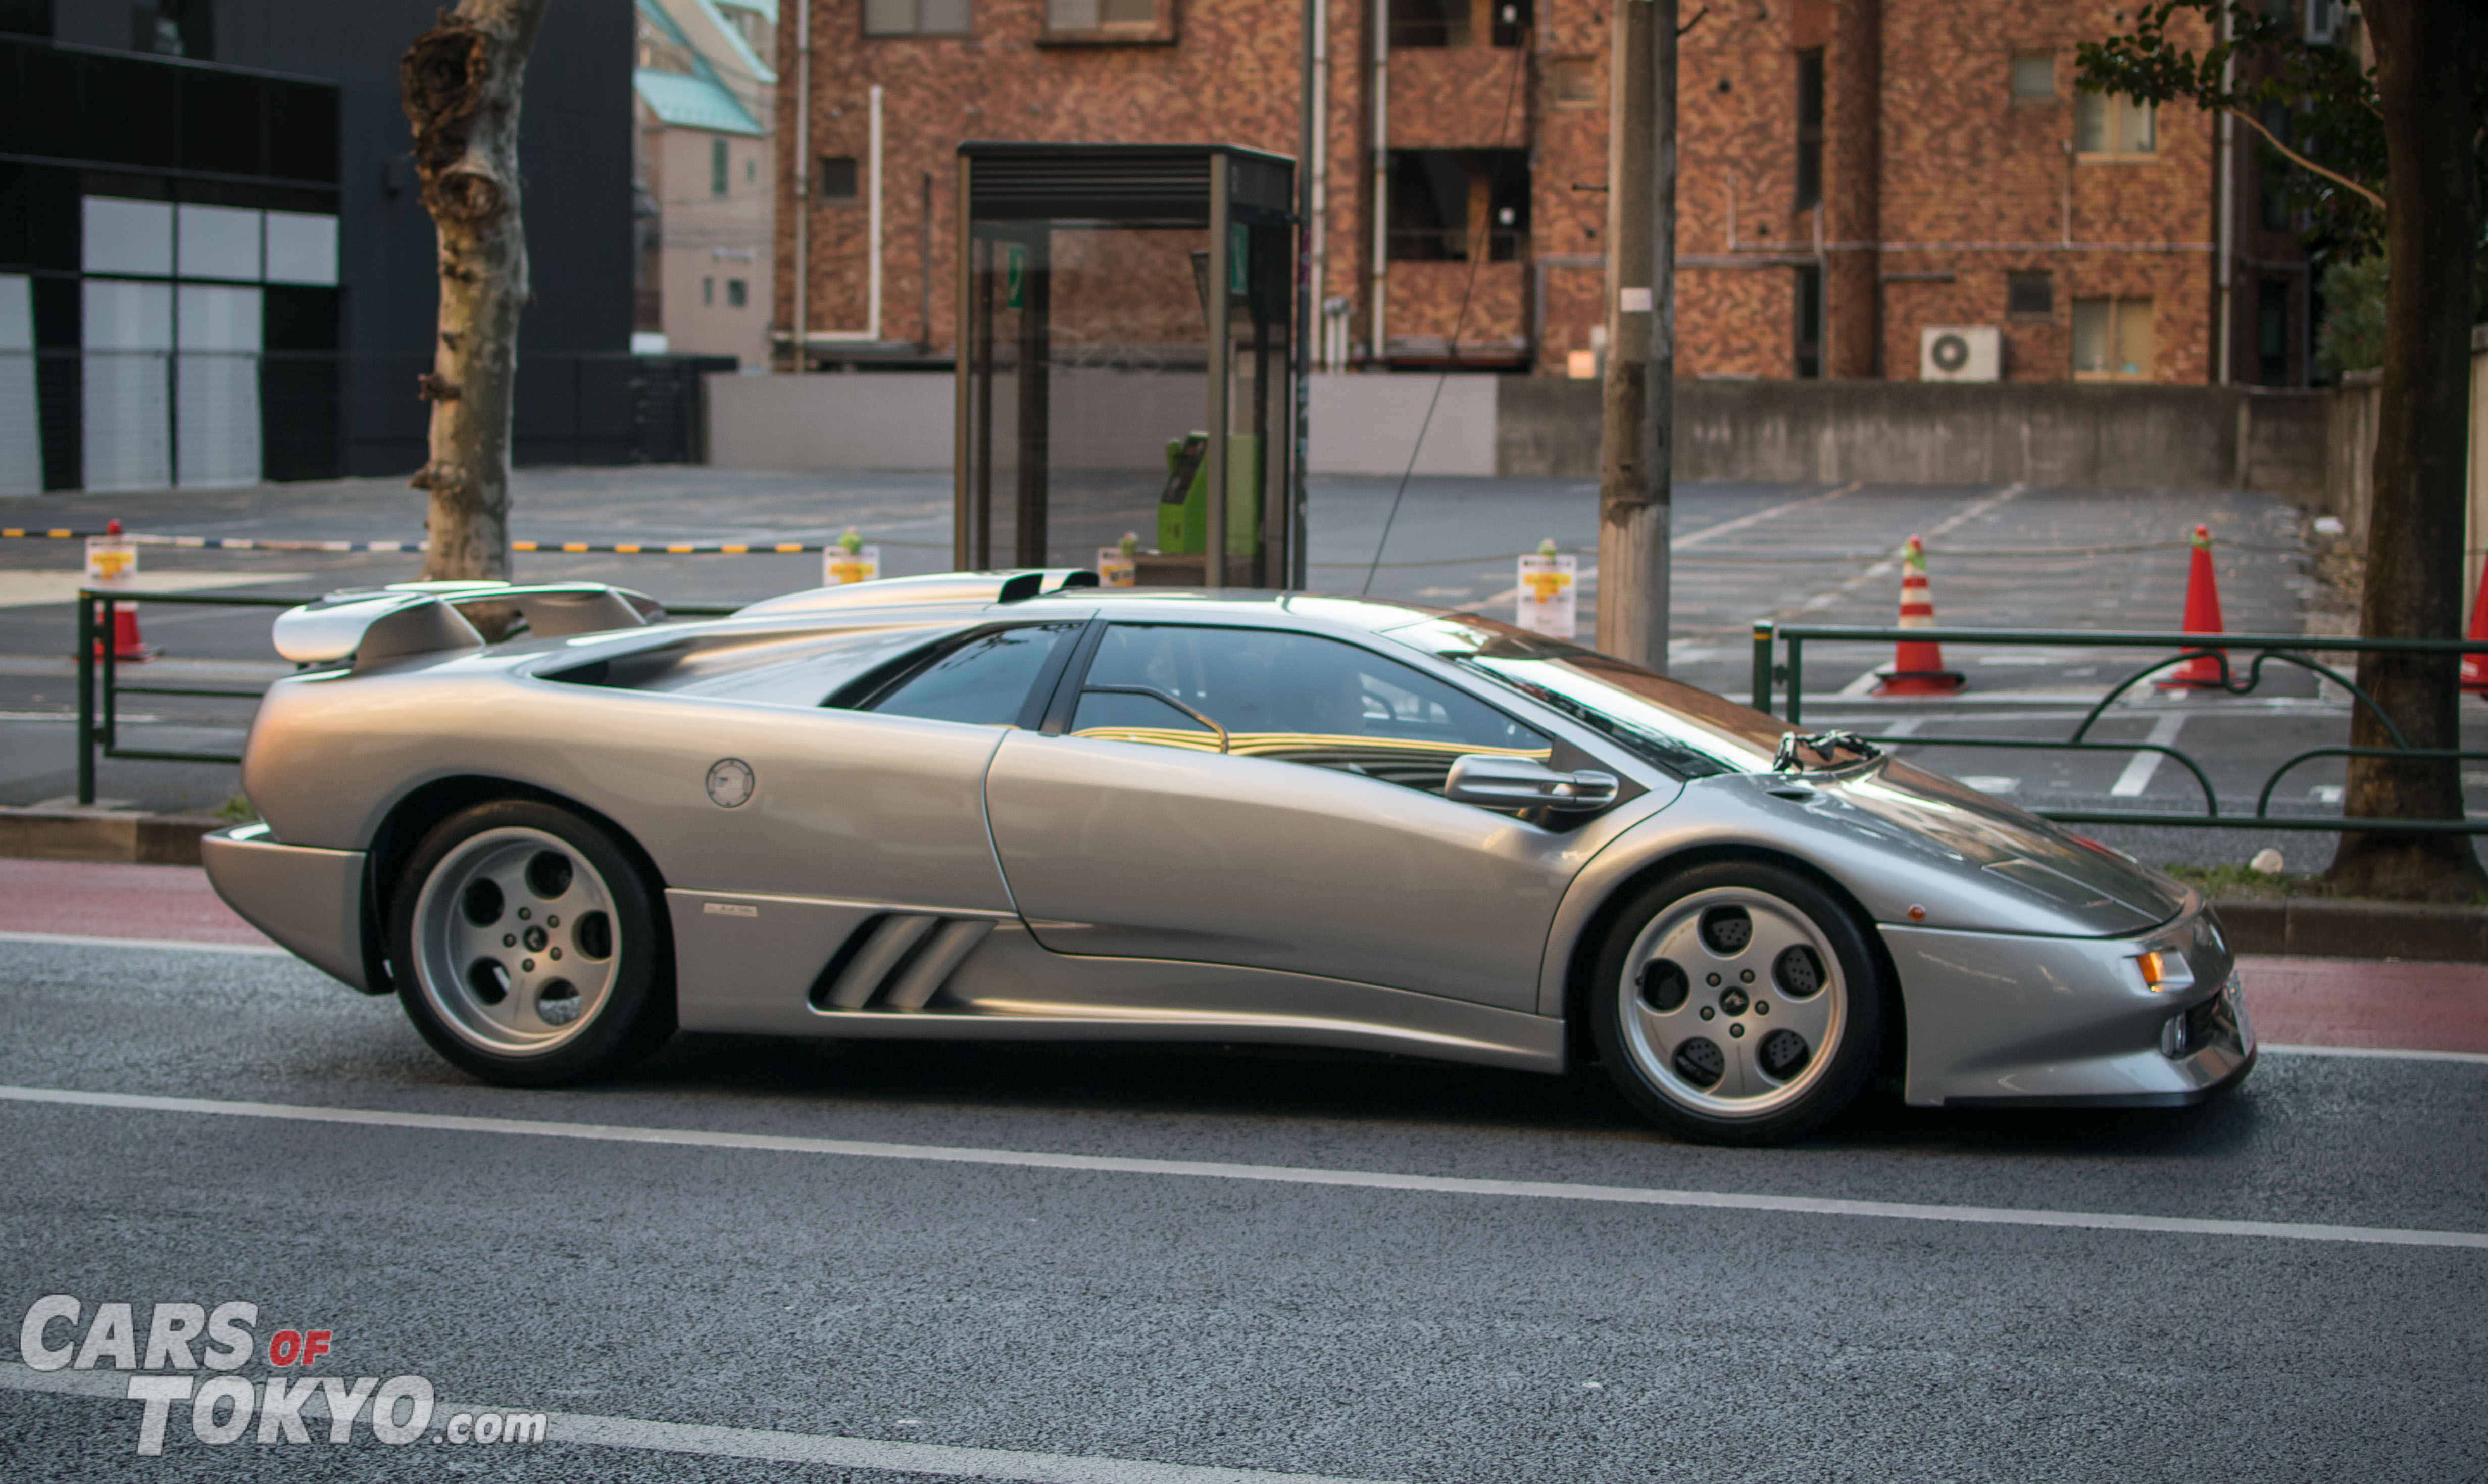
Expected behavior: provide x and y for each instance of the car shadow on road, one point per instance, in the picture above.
(1312, 1085)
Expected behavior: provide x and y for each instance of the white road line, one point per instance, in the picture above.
(1274, 1174)
(1891, 565)
(2136, 776)
(2474, 1058)
(758, 1443)
(89, 940)
(1712, 532)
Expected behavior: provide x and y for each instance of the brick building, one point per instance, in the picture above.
(1852, 173)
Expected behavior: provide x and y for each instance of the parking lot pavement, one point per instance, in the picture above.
(1122, 1264)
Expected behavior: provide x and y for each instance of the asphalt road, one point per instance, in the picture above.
(1146, 1323)
(2002, 556)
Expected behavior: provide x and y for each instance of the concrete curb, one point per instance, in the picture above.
(103, 834)
(2325, 927)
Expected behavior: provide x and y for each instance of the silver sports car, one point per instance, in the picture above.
(1017, 804)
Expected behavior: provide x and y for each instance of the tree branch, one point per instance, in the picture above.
(2305, 163)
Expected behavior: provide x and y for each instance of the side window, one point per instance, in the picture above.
(1292, 697)
(982, 680)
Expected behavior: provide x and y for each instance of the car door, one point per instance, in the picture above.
(860, 822)
(1268, 798)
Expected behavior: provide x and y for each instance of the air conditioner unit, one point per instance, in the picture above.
(2323, 22)
(1961, 352)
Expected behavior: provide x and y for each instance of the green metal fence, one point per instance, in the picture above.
(100, 686)
(1770, 673)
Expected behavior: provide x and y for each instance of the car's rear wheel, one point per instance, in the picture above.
(1737, 1003)
(529, 947)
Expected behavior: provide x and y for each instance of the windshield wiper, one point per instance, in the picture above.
(1823, 744)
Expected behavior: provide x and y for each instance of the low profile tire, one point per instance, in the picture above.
(1737, 1003)
(528, 948)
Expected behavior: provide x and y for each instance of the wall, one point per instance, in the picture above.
(1924, 433)
(898, 420)
(2350, 463)
(2150, 436)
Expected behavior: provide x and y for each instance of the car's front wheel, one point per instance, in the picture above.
(1737, 1003)
(528, 948)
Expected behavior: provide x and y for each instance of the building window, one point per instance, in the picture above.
(1443, 201)
(1809, 129)
(1809, 323)
(2112, 125)
(1574, 83)
(173, 28)
(716, 167)
(914, 17)
(2272, 172)
(707, 292)
(2272, 334)
(752, 168)
(837, 178)
(2111, 339)
(2034, 78)
(2030, 295)
(1109, 21)
(1417, 24)
(737, 293)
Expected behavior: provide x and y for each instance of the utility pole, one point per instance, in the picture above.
(1637, 435)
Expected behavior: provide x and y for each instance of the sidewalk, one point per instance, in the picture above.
(2347, 1003)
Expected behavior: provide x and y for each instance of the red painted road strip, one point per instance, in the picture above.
(99, 900)
(2356, 1002)
(2308, 1002)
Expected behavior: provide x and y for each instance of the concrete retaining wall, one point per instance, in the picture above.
(1102, 419)
(1924, 433)
(1885, 431)
(2350, 455)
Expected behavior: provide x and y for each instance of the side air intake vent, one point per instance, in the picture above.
(896, 961)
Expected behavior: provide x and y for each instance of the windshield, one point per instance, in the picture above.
(1690, 732)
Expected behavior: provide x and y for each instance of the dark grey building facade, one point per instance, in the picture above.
(225, 270)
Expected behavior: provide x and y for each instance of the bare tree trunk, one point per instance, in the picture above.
(461, 81)
(2429, 57)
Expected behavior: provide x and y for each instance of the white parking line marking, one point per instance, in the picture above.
(1274, 1174)
(2136, 776)
(1892, 563)
(90, 940)
(760, 1444)
(1713, 533)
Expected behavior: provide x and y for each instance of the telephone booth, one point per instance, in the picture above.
(1124, 362)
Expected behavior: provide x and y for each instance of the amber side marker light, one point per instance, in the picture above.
(2164, 971)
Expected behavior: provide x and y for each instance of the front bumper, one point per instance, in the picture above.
(309, 899)
(1996, 1019)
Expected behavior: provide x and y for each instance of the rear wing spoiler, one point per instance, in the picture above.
(1011, 586)
(371, 626)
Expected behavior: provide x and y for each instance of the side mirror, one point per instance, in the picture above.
(1498, 782)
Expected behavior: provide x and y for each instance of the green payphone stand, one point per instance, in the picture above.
(1183, 507)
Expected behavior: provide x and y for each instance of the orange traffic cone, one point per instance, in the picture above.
(2202, 617)
(1917, 664)
(2474, 666)
(127, 646)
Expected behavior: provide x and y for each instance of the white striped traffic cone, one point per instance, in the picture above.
(1917, 664)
